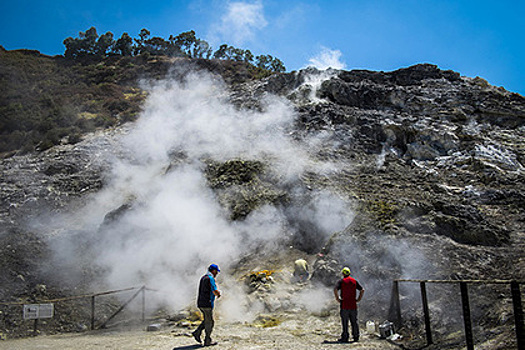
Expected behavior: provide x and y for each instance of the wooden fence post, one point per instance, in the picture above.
(466, 315)
(426, 312)
(92, 312)
(518, 313)
(143, 303)
(121, 308)
(394, 313)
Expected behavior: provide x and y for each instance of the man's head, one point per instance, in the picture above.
(346, 271)
(214, 269)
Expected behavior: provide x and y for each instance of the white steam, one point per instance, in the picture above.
(173, 225)
(327, 59)
(315, 300)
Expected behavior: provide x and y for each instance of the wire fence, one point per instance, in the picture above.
(395, 306)
(12, 311)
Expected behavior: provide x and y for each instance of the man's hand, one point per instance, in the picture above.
(336, 295)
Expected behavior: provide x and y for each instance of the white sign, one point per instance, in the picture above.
(36, 311)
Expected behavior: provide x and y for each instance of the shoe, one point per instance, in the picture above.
(356, 340)
(210, 343)
(197, 337)
(342, 340)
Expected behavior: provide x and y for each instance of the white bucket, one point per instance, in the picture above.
(370, 327)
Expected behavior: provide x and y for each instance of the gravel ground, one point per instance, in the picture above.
(288, 335)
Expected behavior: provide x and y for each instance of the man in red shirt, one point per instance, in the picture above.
(347, 286)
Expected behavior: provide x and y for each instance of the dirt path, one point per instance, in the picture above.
(288, 335)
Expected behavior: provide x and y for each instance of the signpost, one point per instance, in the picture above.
(38, 311)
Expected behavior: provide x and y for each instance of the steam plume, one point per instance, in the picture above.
(173, 225)
(327, 59)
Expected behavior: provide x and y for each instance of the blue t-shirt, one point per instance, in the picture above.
(207, 286)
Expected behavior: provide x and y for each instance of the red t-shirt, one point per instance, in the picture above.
(348, 287)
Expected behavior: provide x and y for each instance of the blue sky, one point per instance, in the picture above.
(475, 38)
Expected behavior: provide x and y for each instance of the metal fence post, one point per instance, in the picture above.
(426, 312)
(394, 313)
(466, 315)
(518, 313)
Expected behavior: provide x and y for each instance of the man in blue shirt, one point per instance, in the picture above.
(205, 302)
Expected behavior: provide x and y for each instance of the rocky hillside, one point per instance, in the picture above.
(47, 101)
(416, 173)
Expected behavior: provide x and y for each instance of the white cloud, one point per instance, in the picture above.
(240, 23)
(327, 59)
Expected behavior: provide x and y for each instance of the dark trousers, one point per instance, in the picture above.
(207, 324)
(349, 315)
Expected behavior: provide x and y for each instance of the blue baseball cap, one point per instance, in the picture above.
(214, 267)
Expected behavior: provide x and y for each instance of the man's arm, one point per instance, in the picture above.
(214, 288)
(336, 295)
(361, 293)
